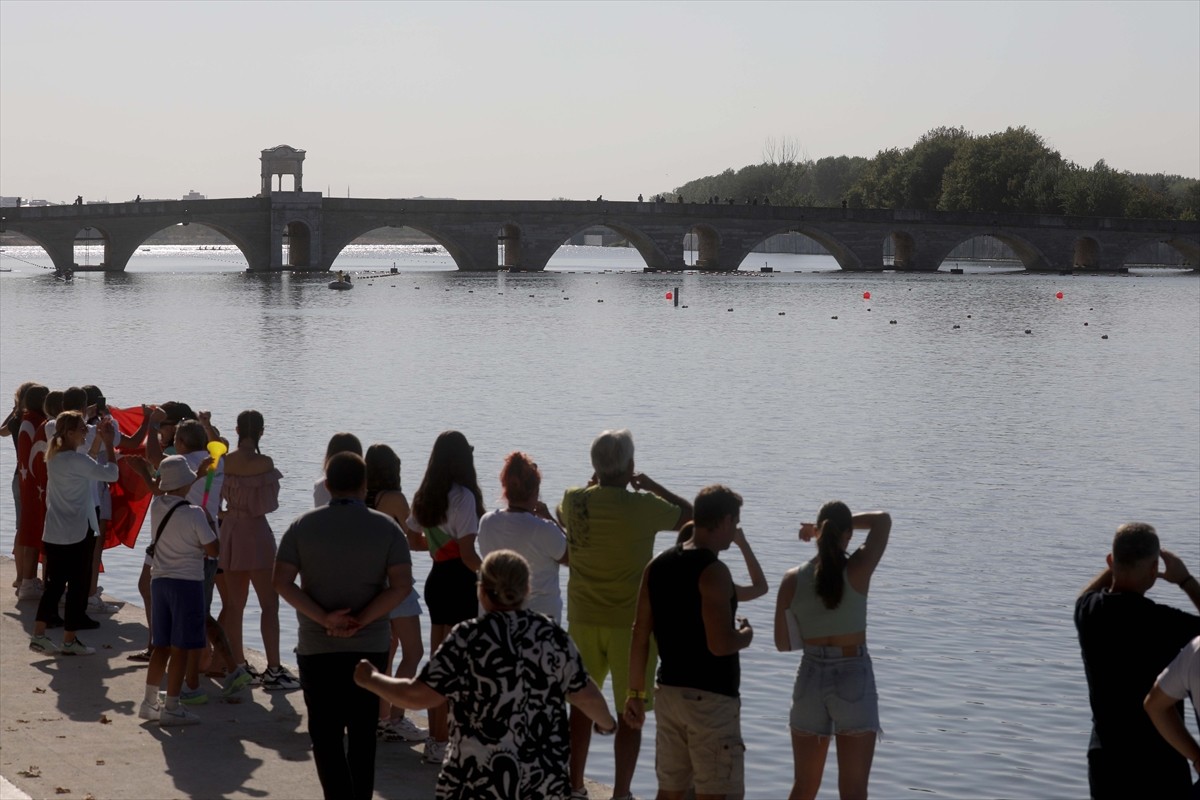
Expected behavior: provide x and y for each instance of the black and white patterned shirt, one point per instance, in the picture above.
(506, 676)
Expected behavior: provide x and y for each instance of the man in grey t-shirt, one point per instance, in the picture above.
(354, 567)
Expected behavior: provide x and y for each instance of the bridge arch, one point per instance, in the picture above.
(1029, 254)
(1187, 248)
(508, 243)
(650, 251)
(296, 243)
(457, 251)
(89, 236)
(237, 240)
(846, 258)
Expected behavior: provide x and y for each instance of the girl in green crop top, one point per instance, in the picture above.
(822, 608)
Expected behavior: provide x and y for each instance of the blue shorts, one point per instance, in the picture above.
(408, 607)
(835, 694)
(177, 613)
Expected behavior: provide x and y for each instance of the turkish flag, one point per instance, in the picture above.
(130, 494)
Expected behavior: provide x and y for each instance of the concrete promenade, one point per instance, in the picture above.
(70, 723)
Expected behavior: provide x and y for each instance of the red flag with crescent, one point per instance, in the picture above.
(130, 494)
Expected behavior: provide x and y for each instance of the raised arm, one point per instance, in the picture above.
(783, 604)
(758, 581)
(1101, 581)
(154, 452)
(1176, 572)
(643, 482)
(865, 559)
(135, 439)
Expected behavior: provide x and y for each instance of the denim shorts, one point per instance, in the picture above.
(408, 607)
(835, 694)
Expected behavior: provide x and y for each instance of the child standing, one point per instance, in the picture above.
(182, 537)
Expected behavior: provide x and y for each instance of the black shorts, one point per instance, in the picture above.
(450, 593)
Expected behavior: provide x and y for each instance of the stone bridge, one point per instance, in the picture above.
(298, 230)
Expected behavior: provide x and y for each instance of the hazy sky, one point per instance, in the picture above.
(541, 100)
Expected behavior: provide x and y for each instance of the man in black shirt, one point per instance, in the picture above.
(1127, 639)
(688, 600)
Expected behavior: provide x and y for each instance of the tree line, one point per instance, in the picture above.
(951, 169)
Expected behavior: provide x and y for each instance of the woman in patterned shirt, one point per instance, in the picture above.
(504, 675)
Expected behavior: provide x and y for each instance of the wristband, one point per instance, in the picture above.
(1184, 582)
(596, 727)
(634, 694)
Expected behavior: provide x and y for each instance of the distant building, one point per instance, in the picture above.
(9, 202)
(193, 195)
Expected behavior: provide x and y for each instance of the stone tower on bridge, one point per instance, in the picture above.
(282, 160)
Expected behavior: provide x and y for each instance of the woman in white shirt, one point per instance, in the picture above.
(69, 535)
(525, 526)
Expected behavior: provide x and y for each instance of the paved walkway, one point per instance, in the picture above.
(69, 724)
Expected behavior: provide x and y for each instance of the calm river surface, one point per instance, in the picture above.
(1006, 458)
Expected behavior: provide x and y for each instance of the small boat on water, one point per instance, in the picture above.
(342, 283)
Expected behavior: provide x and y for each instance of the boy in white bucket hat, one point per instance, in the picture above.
(182, 537)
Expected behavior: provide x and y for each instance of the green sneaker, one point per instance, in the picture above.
(236, 682)
(193, 697)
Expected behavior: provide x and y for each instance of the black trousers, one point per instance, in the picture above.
(341, 722)
(69, 569)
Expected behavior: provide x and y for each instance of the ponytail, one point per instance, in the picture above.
(64, 423)
(833, 520)
(250, 427)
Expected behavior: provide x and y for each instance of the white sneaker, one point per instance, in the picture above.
(96, 605)
(435, 752)
(149, 711)
(30, 589)
(76, 647)
(169, 717)
(43, 645)
(400, 730)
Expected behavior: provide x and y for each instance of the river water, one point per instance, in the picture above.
(1004, 433)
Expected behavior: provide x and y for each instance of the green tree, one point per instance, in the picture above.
(989, 172)
(923, 167)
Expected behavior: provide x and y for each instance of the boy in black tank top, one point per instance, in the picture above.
(688, 600)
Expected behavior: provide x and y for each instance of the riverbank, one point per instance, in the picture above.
(70, 723)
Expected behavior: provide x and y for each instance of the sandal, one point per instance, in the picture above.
(142, 656)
